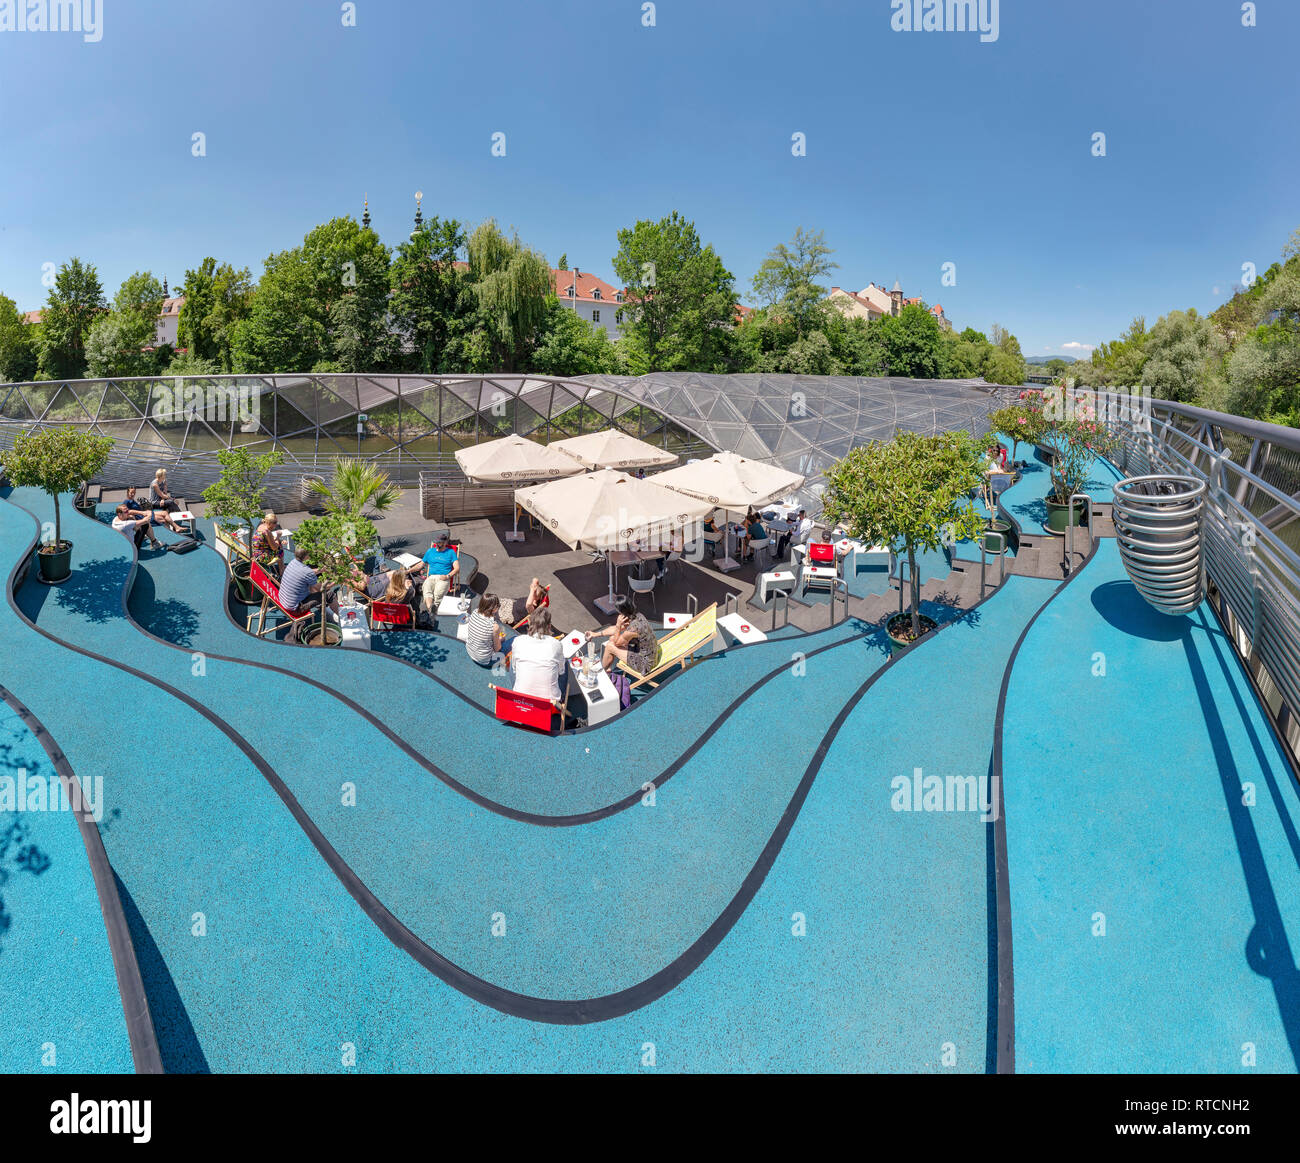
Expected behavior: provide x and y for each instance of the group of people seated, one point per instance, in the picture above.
(137, 519)
(800, 530)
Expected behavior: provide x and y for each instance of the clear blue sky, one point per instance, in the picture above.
(917, 143)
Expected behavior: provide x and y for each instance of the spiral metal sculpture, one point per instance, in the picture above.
(1158, 521)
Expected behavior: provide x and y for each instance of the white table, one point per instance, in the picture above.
(601, 698)
(407, 560)
(741, 629)
(450, 607)
(574, 641)
(186, 518)
(777, 579)
(354, 626)
(676, 621)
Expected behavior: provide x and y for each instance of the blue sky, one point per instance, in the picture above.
(919, 145)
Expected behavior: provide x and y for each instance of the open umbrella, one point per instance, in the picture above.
(607, 510)
(513, 458)
(613, 449)
(731, 482)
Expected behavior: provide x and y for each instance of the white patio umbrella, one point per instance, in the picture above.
(613, 449)
(514, 458)
(731, 482)
(608, 509)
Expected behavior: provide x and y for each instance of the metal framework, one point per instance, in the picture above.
(412, 425)
(1250, 532)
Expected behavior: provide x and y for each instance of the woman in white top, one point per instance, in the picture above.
(537, 659)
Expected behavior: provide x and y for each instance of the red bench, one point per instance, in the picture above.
(270, 596)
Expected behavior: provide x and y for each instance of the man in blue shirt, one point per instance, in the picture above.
(298, 584)
(444, 566)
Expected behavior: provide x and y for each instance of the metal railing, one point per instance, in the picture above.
(1250, 531)
(984, 560)
(1068, 540)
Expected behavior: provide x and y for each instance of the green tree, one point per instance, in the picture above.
(572, 346)
(681, 303)
(115, 345)
(788, 280)
(911, 493)
(239, 494)
(217, 298)
(1184, 351)
(19, 356)
(510, 283)
(431, 303)
(74, 302)
(56, 460)
(1263, 370)
(913, 343)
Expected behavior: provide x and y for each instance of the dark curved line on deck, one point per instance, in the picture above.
(145, 1053)
(549, 1010)
(500, 809)
(1006, 1019)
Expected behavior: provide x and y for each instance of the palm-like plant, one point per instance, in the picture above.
(359, 489)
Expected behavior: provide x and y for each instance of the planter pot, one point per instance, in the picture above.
(331, 636)
(899, 629)
(85, 508)
(991, 544)
(1058, 516)
(243, 584)
(55, 564)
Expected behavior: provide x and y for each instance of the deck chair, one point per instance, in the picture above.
(527, 710)
(390, 615)
(270, 597)
(677, 649)
(820, 568)
(232, 544)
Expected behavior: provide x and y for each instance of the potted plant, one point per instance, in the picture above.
(330, 542)
(1075, 441)
(912, 493)
(56, 460)
(239, 497)
(360, 490)
(1020, 421)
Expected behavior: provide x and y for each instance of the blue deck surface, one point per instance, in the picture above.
(1124, 795)
(59, 1005)
(781, 814)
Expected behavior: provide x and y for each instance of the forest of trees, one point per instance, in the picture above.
(454, 299)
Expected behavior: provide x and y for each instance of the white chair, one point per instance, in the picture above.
(821, 567)
(758, 548)
(637, 586)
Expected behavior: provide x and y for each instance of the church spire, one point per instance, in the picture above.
(365, 217)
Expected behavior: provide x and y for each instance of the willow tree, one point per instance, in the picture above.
(511, 283)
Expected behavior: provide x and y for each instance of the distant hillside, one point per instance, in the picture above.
(1039, 359)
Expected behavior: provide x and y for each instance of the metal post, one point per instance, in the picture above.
(839, 587)
(779, 596)
(1068, 539)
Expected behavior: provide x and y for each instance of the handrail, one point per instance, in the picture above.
(1068, 539)
(984, 559)
(899, 561)
(779, 596)
(839, 586)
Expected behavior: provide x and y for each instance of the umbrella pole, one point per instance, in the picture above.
(516, 535)
(608, 603)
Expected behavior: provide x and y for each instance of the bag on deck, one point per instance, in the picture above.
(184, 546)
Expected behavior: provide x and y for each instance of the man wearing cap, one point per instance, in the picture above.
(444, 566)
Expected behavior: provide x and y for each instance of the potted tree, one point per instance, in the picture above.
(359, 490)
(331, 543)
(912, 493)
(1075, 441)
(1020, 421)
(237, 498)
(56, 460)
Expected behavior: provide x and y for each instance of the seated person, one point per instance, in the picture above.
(515, 610)
(159, 495)
(631, 639)
(156, 516)
(388, 585)
(800, 531)
(299, 585)
(444, 567)
(487, 639)
(755, 530)
(268, 549)
(538, 662)
(134, 527)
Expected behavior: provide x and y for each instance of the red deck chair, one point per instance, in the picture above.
(527, 710)
(821, 568)
(270, 596)
(546, 601)
(387, 615)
